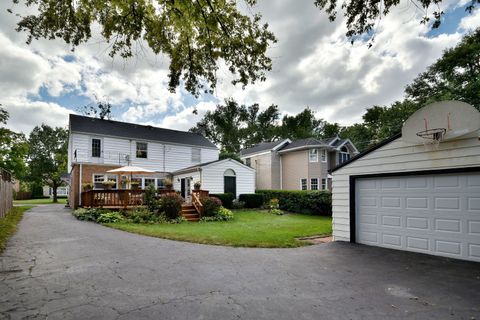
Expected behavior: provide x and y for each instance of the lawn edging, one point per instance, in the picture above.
(8, 224)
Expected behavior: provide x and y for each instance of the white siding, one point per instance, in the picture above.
(397, 156)
(115, 150)
(212, 177)
(177, 179)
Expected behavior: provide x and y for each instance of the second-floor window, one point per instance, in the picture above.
(196, 155)
(314, 184)
(343, 155)
(142, 150)
(96, 148)
(323, 155)
(248, 162)
(313, 155)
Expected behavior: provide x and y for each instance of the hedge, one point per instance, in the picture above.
(252, 200)
(301, 201)
(226, 198)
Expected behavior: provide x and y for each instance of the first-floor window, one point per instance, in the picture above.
(324, 184)
(98, 181)
(148, 181)
(160, 183)
(304, 184)
(314, 184)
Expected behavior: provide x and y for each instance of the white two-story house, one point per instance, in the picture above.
(97, 146)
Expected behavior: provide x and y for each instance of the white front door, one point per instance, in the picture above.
(434, 214)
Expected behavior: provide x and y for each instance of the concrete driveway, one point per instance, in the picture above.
(61, 268)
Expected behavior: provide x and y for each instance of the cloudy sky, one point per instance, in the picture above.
(314, 65)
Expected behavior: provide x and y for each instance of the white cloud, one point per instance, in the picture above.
(471, 22)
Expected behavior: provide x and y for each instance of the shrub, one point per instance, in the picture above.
(142, 215)
(237, 204)
(278, 212)
(301, 201)
(151, 198)
(226, 198)
(110, 217)
(222, 214)
(171, 205)
(210, 206)
(89, 214)
(252, 200)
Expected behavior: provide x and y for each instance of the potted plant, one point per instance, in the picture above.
(168, 183)
(87, 186)
(108, 184)
(135, 185)
(197, 185)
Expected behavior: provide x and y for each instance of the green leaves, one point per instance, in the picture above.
(195, 35)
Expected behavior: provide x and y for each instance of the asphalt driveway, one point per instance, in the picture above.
(61, 268)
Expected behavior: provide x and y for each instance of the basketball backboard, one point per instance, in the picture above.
(441, 121)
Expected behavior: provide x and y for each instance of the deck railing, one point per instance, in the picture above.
(197, 195)
(121, 198)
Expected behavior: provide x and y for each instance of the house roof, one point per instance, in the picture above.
(364, 153)
(204, 164)
(136, 131)
(264, 146)
(305, 144)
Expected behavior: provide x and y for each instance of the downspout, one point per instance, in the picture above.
(281, 173)
(164, 158)
(80, 186)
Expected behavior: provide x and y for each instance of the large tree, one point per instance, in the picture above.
(455, 76)
(47, 158)
(13, 148)
(302, 125)
(195, 35)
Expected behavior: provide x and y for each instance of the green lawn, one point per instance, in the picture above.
(249, 228)
(39, 201)
(8, 224)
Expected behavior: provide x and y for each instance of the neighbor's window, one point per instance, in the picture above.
(142, 148)
(324, 184)
(314, 184)
(98, 181)
(304, 184)
(248, 162)
(96, 148)
(196, 155)
(343, 156)
(313, 155)
(323, 155)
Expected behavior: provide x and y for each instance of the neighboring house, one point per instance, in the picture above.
(408, 196)
(297, 165)
(96, 146)
(61, 191)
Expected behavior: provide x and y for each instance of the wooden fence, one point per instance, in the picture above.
(6, 192)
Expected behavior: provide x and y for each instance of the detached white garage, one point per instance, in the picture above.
(407, 195)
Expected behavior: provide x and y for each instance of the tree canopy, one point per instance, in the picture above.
(47, 158)
(195, 35)
(13, 148)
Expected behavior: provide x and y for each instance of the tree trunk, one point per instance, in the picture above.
(54, 189)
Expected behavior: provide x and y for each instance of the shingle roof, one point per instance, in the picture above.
(304, 143)
(264, 146)
(136, 131)
(338, 142)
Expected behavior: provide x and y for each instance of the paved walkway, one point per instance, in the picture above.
(61, 268)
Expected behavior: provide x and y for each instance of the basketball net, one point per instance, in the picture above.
(432, 137)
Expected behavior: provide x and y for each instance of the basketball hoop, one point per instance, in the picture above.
(432, 136)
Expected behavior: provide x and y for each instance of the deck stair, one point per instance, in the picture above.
(190, 213)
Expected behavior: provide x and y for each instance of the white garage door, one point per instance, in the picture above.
(434, 214)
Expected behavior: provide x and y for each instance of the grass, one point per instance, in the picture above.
(249, 228)
(8, 224)
(40, 201)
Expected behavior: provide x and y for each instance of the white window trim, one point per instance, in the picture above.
(199, 155)
(90, 149)
(311, 183)
(310, 155)
(105, 178)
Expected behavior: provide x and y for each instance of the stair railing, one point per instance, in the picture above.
(197, 195)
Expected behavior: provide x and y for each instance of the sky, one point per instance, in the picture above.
(314, 65)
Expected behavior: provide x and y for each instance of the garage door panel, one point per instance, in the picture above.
(432, 214)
